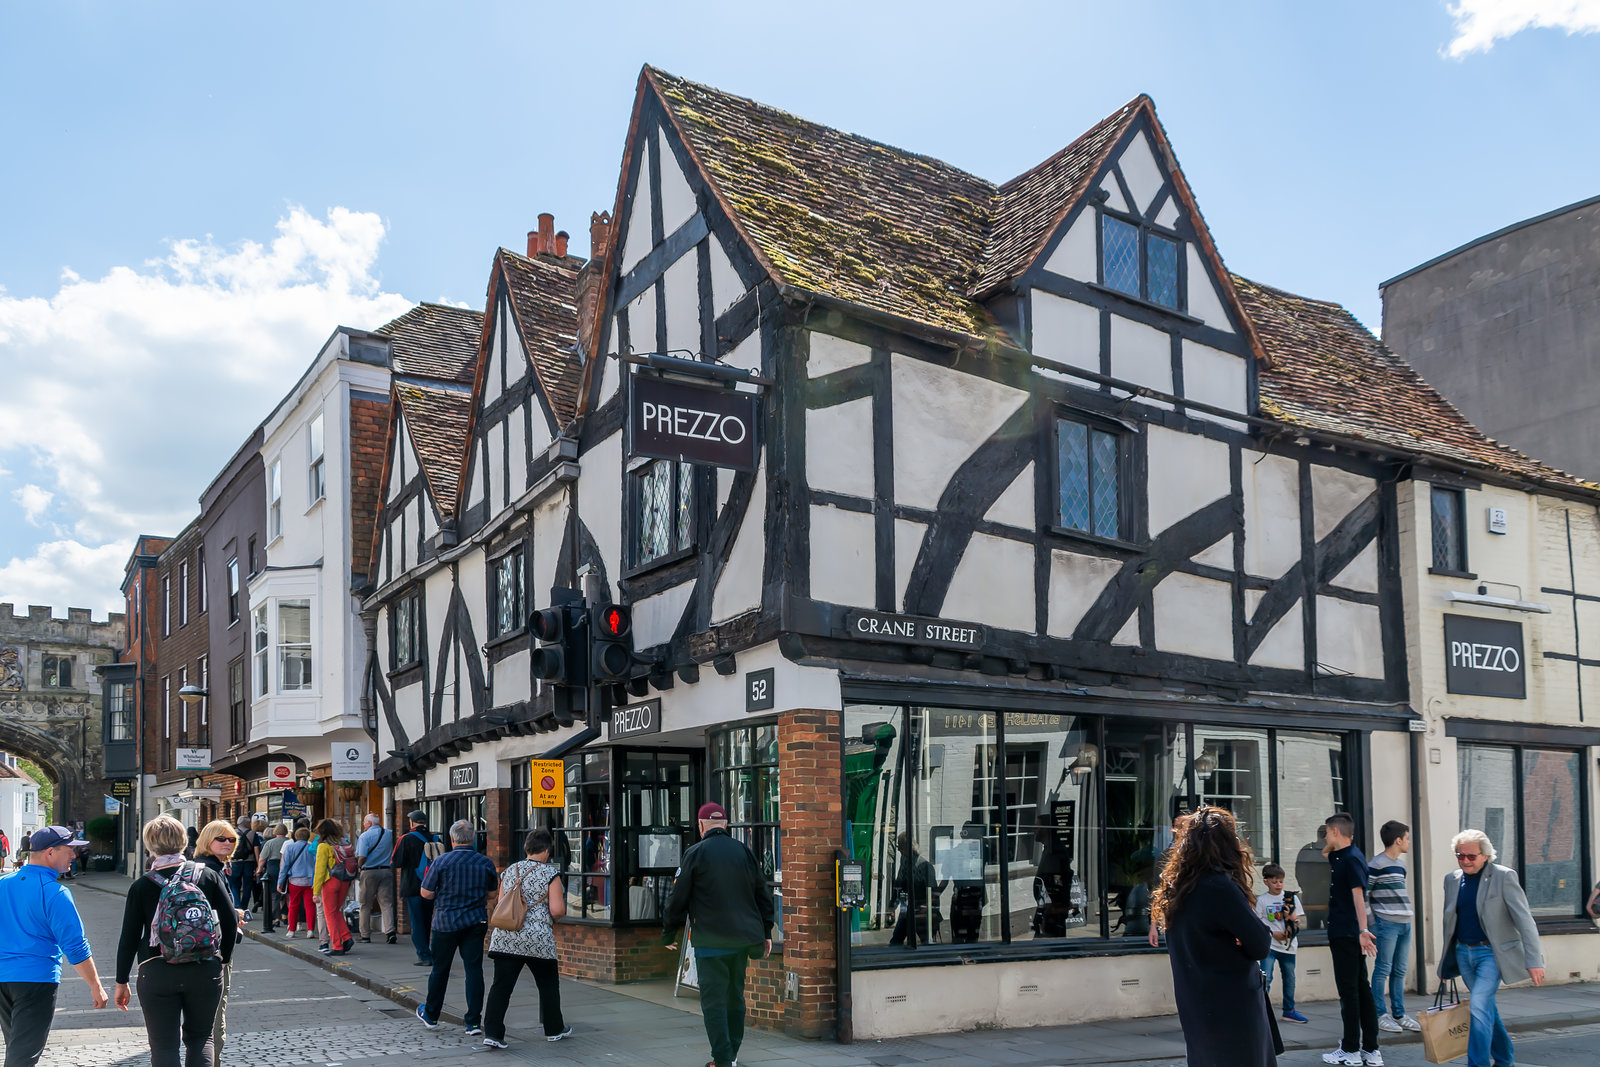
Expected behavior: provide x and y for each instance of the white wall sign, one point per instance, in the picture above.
(1499, 521)
(280, 774)
(352, 761)
(193, 759)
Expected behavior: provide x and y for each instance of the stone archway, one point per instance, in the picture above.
(70, 759)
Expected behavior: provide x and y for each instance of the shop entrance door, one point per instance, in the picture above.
(659, 791)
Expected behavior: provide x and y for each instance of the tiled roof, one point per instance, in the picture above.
(1032, 205)
(837, 214)
(544, 297)
(435, 341)
(438, 420)
(1328, 373)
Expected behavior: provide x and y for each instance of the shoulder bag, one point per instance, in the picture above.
(511, 910)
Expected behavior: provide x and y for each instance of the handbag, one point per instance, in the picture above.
(511, 910)
(1446, 1025)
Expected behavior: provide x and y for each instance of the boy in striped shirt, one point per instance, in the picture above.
(1391, 924)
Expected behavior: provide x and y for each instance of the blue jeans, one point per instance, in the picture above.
(419, 912)
(1394, 942)
(1488, 1037)
(1285, 962)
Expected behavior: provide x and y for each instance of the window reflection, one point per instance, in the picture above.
(1311, 786)
(1146, 774)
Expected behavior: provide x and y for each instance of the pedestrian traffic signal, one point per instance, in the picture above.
(563, 652)
(611, 656)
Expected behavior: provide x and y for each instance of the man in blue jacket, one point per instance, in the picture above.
(39, 924)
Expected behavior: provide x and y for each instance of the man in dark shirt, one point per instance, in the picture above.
(1349, 943)
(459, 883)
(408, 857)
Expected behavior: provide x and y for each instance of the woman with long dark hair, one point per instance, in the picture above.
(1206, 902)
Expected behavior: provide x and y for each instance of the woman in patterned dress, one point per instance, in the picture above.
(533, 946)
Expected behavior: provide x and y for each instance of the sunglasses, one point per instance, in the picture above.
(229, 840)
(1462, 857)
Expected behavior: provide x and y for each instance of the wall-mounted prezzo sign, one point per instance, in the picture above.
(914, 630)
(670, 419)
(464, 776)
(632, 720)
(1483, 657)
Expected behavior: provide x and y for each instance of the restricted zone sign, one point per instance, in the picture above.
(549, 783)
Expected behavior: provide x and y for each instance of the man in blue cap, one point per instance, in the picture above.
(39, 924)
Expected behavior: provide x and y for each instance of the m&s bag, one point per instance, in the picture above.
(1445, 1026)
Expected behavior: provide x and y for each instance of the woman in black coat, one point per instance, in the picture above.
(1215, 943)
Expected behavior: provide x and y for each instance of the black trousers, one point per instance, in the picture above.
(180, 1002)
(446, 943)
(722, 1003)
(546, 975)
(271, 899)
(1356, 1006)
(26, 1011)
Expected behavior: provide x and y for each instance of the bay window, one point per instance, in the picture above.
(294, 645)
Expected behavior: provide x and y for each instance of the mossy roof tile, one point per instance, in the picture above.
(438, 421)
(435, 341)
(544, 298)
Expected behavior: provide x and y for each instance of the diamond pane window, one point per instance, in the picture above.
(684, 529)
(664, 509)
(1090, 479)
(1121, 248)
(508, 593)
(1163, 271)
(1449, 537)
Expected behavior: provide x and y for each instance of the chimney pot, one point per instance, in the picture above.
(561, 243)
(533, 243)
(599, 233)
(547, 231)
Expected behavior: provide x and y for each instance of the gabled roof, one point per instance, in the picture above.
(544, 298)
(1328, 373)
(438, 421)
(435, 341)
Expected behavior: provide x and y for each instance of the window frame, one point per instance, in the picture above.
(51, 679)
(316, 460)
(166, 605)
(1460, 566)
(183, 593)
(204, 731)
(519, 619)
(119, 716)
(1130, 494)
(1144, 230)
(283, 648)
(719, 779)
(274, 501)
(203, 601)
(676, 549)
(238, 702)
(233, 590)
(261, 650)
(413, 597)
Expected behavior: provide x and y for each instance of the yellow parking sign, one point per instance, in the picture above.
(549, 783)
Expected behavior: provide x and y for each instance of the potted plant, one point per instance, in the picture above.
(352, 790)
(314, 786)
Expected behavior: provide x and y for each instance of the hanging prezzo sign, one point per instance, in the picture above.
(1484, 657)
(697, 424)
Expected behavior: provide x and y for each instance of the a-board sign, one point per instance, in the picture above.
(669, 419)
(1484, 657)
(548, 779)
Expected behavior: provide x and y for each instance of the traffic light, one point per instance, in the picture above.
(562, 659)
(611, 656)
(552, 660)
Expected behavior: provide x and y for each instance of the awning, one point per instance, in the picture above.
(251, 761)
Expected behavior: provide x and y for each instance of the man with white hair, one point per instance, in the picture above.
(374, 848)
(1490, 937)
(459, 884)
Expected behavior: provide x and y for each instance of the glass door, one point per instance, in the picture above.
(658, 791)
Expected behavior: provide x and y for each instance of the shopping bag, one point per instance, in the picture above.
(1445, 1026)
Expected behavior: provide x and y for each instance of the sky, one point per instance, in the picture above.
(193, 196)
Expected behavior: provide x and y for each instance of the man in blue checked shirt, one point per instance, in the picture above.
(39, 924)
(374, 848)
(459, 884)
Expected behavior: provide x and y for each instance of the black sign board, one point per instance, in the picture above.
(1484, 657)
(914, 630)
(758, 691)
(635, 719)
(464, 776)
(669, 419)
(122, 788)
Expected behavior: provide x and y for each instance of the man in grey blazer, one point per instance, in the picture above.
(1489, 937)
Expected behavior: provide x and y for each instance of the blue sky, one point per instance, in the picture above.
(193, 196)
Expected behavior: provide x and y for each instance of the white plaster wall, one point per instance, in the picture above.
(408, 708)
(1140, 170)
(1361, 574)
(1076, 582)
(1391, 783)
(404, 463)
(1285, 644)
(1217, 555)
(638, 243)
(642, 321)
(725, 285)
(739, 588)
(512, 682)
(1114, 198)
(1194, 616)
(1129, 634)
(843, 564)
(655, 618)
(1334, 494)
(430, 523)
(549, 523)
(717, 699)
(1141, 355)
(1014, 507)
(473, 582)
(677, 199)
(830, 353)
(602, 510)
(683, 305)
(1074, 256)
(541, 431)
(517, 430)
(746, 355)
(907, 543)
(493, 382)
(1205, 303)
(494, 453)
(1349, 637)
(839, 448)
(1168, 215)
(993, 584)
(475, 477)
(1187, 472)
(1271, 514)
(1212, 376)
(1066, 331)
(940, 418)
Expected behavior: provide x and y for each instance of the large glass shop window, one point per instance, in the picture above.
(744, 780)
(588, 866)
(1530, 803)
(658, 797)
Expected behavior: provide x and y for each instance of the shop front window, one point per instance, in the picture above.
(1310, 784)
(658, 792)
(744, 780)
(588, 842)
(1530, 801)
(1146, 770)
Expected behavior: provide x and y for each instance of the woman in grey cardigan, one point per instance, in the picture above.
(533, 946)
(1489, 937)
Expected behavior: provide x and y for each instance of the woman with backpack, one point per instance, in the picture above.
(296, 869)
(532, 946)
(182, 950)
(336, 869)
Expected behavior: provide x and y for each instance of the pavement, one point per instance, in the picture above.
(644, 1025)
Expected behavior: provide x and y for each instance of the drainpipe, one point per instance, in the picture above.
(1419, 931)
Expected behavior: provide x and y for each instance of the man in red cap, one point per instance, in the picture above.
(721, 891)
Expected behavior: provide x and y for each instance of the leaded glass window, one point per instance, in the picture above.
(1162, 271)
(1136, 260)
(406, 614)
(509, 609)
(1449, 535)
(1121, 241)
(1090, 478)
(664, 509)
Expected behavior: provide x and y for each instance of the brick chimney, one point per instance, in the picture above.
(543, 240)
(590, 280)
(533, 243)
(561, 244)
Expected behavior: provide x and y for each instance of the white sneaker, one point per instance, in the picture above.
(1372, 1059)
(1389, 1023)
(1408, 1023)
(1339, 1055)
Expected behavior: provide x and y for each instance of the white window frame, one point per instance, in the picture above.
(275, 501)
(205, 688)
(260, 651)
(166, 708)
(200, 576)
(316, 463)
(183, 707)
(166, 605)
(285, 648)
(183, 594)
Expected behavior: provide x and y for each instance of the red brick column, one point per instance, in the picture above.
(809, 810)
(497, 809)
(398, 810)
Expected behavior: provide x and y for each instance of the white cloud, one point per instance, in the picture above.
(127, 393)
(1480, 23)
(67, 574)
(33, 501)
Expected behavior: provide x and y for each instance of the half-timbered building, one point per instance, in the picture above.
(1043, 546)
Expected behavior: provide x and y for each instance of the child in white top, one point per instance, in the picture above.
(1281, 912)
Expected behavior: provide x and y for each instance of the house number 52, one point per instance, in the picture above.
(758, 691)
